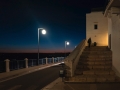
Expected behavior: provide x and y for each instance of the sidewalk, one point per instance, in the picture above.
(55, 85)
(59, 85)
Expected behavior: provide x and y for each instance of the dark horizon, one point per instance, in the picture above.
(22, 56)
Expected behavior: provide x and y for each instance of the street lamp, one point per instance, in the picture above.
(43, 31)
(75, 46)
(66, 43)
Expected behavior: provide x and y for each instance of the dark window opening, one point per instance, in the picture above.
(95, 26)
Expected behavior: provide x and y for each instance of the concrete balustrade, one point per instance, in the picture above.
(46, 60)
(58, 59)
(7, 65)
(53, 59)
(13, 73)
(26, 63)
(7, 62)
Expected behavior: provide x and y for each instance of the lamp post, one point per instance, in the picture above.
(66, 43)
(43, 31)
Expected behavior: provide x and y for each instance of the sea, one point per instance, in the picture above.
(22, 56)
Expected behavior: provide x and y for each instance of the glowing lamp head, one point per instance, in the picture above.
(67, 43)
(43, 31)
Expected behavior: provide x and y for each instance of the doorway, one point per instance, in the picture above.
(110, 41)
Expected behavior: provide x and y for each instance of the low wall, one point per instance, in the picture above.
(72, 60)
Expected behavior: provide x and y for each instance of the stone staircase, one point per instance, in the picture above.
(95, 65)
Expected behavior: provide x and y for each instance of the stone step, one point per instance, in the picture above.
(92, 54)
(97, 47)
(95, 56)
(95, 72)
(95, 63)
(95, 59)
(103, 48)
(93, 78)
(97, 52)
(94, 67)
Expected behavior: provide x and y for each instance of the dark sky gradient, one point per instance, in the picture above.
(63, 20)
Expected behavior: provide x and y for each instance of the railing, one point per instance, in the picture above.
(7, 65)
(16, 64)
(72, 60)
(2, 66)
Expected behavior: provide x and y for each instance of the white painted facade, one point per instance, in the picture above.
(108, 32)
(100, 33)
(114, 30)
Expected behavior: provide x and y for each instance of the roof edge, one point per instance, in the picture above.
(107, 8)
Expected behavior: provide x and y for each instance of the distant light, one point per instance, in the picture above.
(67, 43)
(43, 31)
(62, 62)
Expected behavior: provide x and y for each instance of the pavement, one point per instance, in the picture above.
(55, 85)
(58, 84)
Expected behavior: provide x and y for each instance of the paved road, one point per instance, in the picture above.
(32, 81)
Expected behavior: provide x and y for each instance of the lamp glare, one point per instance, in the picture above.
(43, 31)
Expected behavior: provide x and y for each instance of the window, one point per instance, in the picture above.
(95, 26)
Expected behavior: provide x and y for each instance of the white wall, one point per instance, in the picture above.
(116, 41)
(101, 34)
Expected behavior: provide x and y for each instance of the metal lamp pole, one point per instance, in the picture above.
(66, 43)
(38, 45)
(43, 32)
(65, 48)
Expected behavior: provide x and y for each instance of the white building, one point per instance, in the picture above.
(97, 28)
(105, 30)
(112, 13)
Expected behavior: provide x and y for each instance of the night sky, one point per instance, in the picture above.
(64, 20)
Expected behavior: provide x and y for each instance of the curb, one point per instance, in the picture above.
(49, 86)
